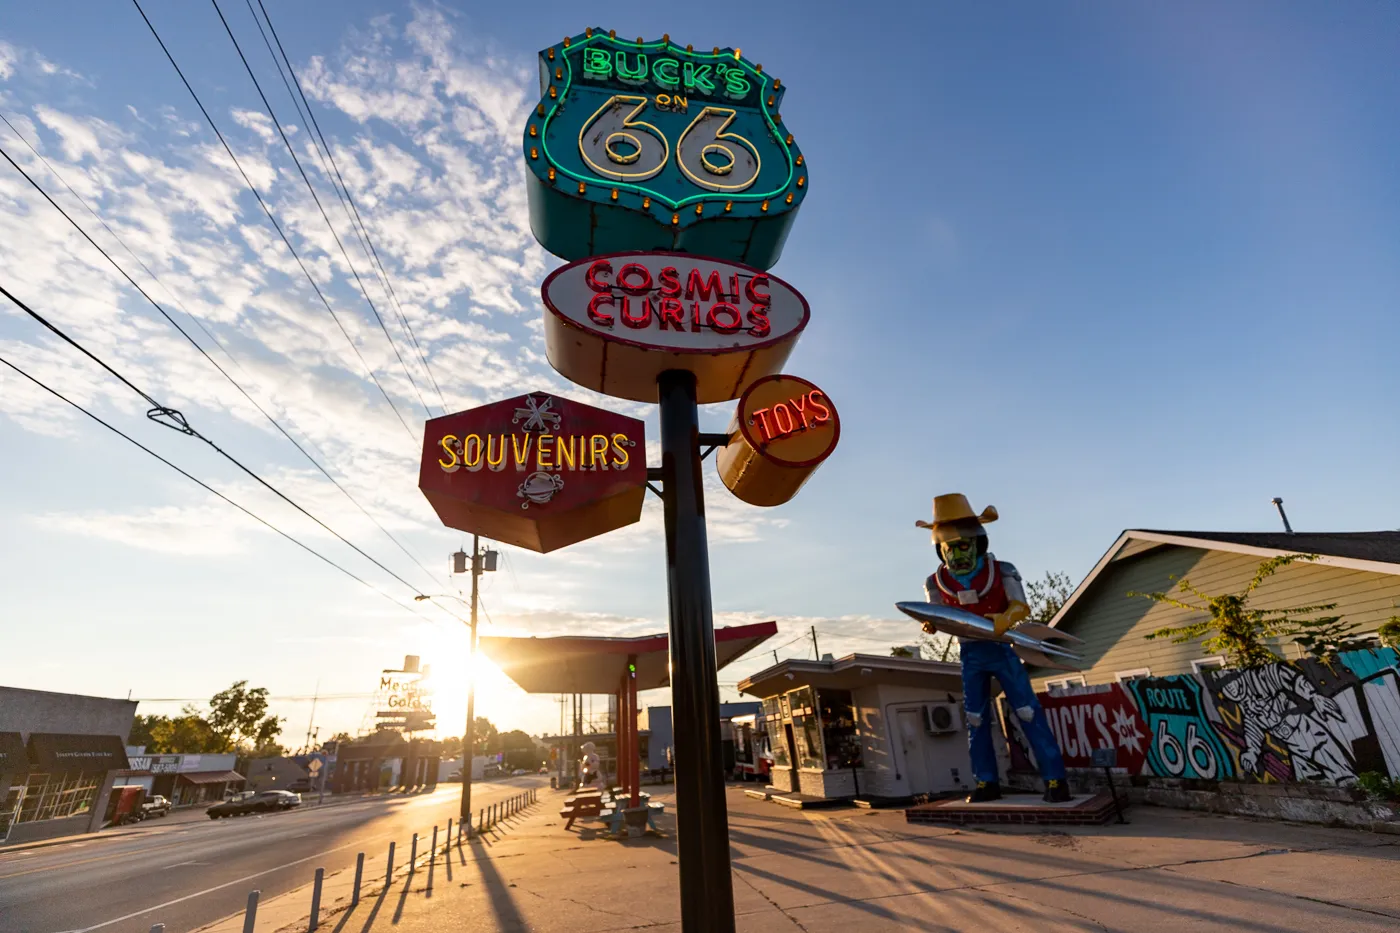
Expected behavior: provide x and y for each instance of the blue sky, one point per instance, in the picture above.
(1104, 265)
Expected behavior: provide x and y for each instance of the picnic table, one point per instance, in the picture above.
(614, 815)
(607, 807)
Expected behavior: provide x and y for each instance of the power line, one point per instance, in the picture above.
(173, 323)
(278, 227)
(172, 418)
(358, 223)
(312, 188)
(194, 479)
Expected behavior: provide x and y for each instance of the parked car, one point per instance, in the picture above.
(518, 771)
(300, 786)
(263, 801)
(156, 806)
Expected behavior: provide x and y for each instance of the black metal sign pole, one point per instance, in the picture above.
(702, 823)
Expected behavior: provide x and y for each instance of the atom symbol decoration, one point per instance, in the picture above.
(1128, 734)
(536, 413)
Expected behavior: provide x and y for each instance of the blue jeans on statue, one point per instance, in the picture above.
(981, 661)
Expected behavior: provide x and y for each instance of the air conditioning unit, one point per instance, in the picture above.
(940, 718)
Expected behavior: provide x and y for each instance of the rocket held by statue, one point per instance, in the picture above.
(1030, 640)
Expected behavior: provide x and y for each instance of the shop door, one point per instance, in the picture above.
(915, 759)
(792, 755)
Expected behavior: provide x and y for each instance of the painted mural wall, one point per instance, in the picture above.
(1307, 720)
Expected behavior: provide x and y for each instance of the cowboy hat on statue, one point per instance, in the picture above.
(969, 577)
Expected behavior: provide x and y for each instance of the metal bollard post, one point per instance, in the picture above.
(389, 868)
(481, 820)
(250, 916)
(359, 874)
(316, 900)
(413, 855)
(432, 853)
(447, 840)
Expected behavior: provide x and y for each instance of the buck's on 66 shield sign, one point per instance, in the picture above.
(614, 323)
(537, 471)
(650, 145)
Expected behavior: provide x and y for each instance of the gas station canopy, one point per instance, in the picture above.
(594, 664)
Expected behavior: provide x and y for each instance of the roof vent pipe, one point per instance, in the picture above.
(1278, 504)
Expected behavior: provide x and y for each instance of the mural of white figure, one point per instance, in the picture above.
(1279, 702)
(590, 768)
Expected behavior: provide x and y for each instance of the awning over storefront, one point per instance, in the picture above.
(592, 664)
(212, 777)
(64, 753)
(14, 760)
(853, 672)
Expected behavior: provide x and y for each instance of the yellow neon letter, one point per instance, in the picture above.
(567, 452)
(619, 451)
(449, 466)
(496, 461)
(543, 453)
(522, 454)
(471, 462)
(598, 448)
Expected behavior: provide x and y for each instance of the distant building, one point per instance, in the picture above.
(184, 780)
(60, 755)
(278, 774)
(383, 761)
(656, 720)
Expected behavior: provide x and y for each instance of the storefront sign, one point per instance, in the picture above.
(403, 693)
(69, 754)
(616, 322)
(13, 758)
(636, 144)
(1104, 717)
(782, 430)
(537, 471)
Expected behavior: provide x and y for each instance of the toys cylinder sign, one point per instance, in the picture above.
(667, 180)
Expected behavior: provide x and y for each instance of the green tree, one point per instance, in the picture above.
(902, 651)
(1389, 632)
(187, 734)
(141, 727)
(1238, 631)
(487, 741)
(520, 750)
(1046, 596)
(240, 716)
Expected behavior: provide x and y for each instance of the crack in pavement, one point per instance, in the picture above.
(753, 887)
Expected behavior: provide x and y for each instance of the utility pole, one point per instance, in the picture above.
(480, 562)
(816, 652)
(314, 697)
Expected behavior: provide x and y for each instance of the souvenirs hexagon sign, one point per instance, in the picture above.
(537, 471)
(648, 145)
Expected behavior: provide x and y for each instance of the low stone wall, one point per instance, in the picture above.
(1302, 803)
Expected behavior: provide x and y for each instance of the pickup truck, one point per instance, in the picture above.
(156, 806)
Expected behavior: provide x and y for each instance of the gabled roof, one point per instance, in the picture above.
(1373, 551)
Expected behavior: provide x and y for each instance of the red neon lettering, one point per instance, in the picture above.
(734, 287)
(800, 403)
(670, 311)
(758, 317)
(751, 290)
(826, 412)
(695, 316)
(782, 413)
(633, 269)
(599, 267)
(670, 281)
(596, 316)
(636, 322)
(762, 416)
(709, 289)
(724, 308)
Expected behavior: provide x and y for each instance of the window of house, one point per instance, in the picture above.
(1062, 684)
(1208, 664)
(838, 719)
(1124, 676)
(777, 737)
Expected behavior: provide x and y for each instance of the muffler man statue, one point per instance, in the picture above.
(980, 599)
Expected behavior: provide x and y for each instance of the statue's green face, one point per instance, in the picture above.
(960, 554)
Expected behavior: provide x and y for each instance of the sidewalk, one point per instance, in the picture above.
(838, 870)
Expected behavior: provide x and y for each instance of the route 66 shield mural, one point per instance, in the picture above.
(649, 145)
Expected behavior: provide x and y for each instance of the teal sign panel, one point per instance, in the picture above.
(648, 145)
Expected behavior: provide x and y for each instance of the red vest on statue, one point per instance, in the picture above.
(985, 595)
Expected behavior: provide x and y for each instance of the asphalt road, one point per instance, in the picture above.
(198, 871)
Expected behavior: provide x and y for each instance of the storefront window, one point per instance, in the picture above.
(838, 721)
(773, 725)
(806, 728)
(54, 797)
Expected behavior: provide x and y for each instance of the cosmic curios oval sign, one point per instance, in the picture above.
(616, 322)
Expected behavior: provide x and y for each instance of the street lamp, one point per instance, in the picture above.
(480, 562)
